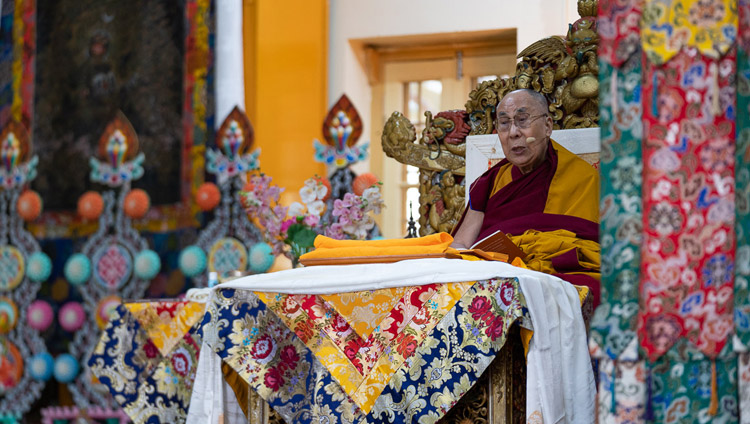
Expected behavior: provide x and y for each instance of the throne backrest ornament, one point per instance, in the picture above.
(18, 165)
(233, 156)
(342, 128)
(118, 161)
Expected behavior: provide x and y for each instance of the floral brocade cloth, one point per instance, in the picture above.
(688, 249)
(742, 183)
(364, 357)
(618, 26)
(147, 357)
(676, 388)
(614, 324)
(669, 26)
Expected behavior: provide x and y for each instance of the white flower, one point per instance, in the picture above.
(373, 199)
(316, 208)
(308, 193)
(321, 191)
(296, 209)
(251, 199)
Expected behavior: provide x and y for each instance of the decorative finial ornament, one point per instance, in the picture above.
(342, 128)
(587, 7)
(232, 155)
(412, 229)
(18, 165)
(118, 160)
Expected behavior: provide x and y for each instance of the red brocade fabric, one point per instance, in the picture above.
(687, 266)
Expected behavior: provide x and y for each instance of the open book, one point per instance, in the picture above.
(498, 242)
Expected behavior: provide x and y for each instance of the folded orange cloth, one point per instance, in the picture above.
(326, 247)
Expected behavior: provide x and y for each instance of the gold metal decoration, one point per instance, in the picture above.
(564, 69)
(440, 157)
(398, 143)
(441, 201)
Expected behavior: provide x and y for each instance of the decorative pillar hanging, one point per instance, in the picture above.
(115, 263)
(25, 364)
(622, 389)
(691, 160)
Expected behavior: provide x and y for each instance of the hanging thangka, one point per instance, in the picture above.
(70, 65)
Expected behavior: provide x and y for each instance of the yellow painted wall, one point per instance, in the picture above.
(286, 61)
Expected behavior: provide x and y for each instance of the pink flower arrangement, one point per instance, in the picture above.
(297, 226)
(261, 202)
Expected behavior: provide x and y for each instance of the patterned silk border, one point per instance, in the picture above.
(669, 26)
(276, 363)
(618, 26)
(148, 385)
(742, 183)
(687, 260)
(614, 323)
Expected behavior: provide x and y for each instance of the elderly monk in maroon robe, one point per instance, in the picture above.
(545, 198)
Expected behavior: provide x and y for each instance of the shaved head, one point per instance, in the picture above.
(536, 97)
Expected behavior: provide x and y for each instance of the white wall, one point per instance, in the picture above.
(352, 19)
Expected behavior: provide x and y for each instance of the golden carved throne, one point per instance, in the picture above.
(564, 70)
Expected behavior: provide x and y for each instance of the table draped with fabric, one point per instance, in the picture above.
(383, 343)
(365, 343)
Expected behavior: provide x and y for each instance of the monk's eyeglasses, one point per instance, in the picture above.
(522, 120)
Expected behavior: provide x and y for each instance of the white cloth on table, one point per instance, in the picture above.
(560, 380)
(212, 401)
(560, 384)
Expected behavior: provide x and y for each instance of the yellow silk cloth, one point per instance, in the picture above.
(541, 247)
(166, 322)
(668, 26)
(364, 311)
(367, 313)
(326, 247)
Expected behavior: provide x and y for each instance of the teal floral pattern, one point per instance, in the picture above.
(742, 183)
(681, 386)
(614, 322)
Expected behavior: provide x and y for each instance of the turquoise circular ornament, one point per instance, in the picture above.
(261, 257)
(77, 269)
(39, 267)
(41, 366)
(66, 368)
(147, 264)
(192, 261)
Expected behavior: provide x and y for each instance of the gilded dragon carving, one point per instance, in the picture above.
(430, 153)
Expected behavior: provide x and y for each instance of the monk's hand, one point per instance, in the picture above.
(458, 246)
